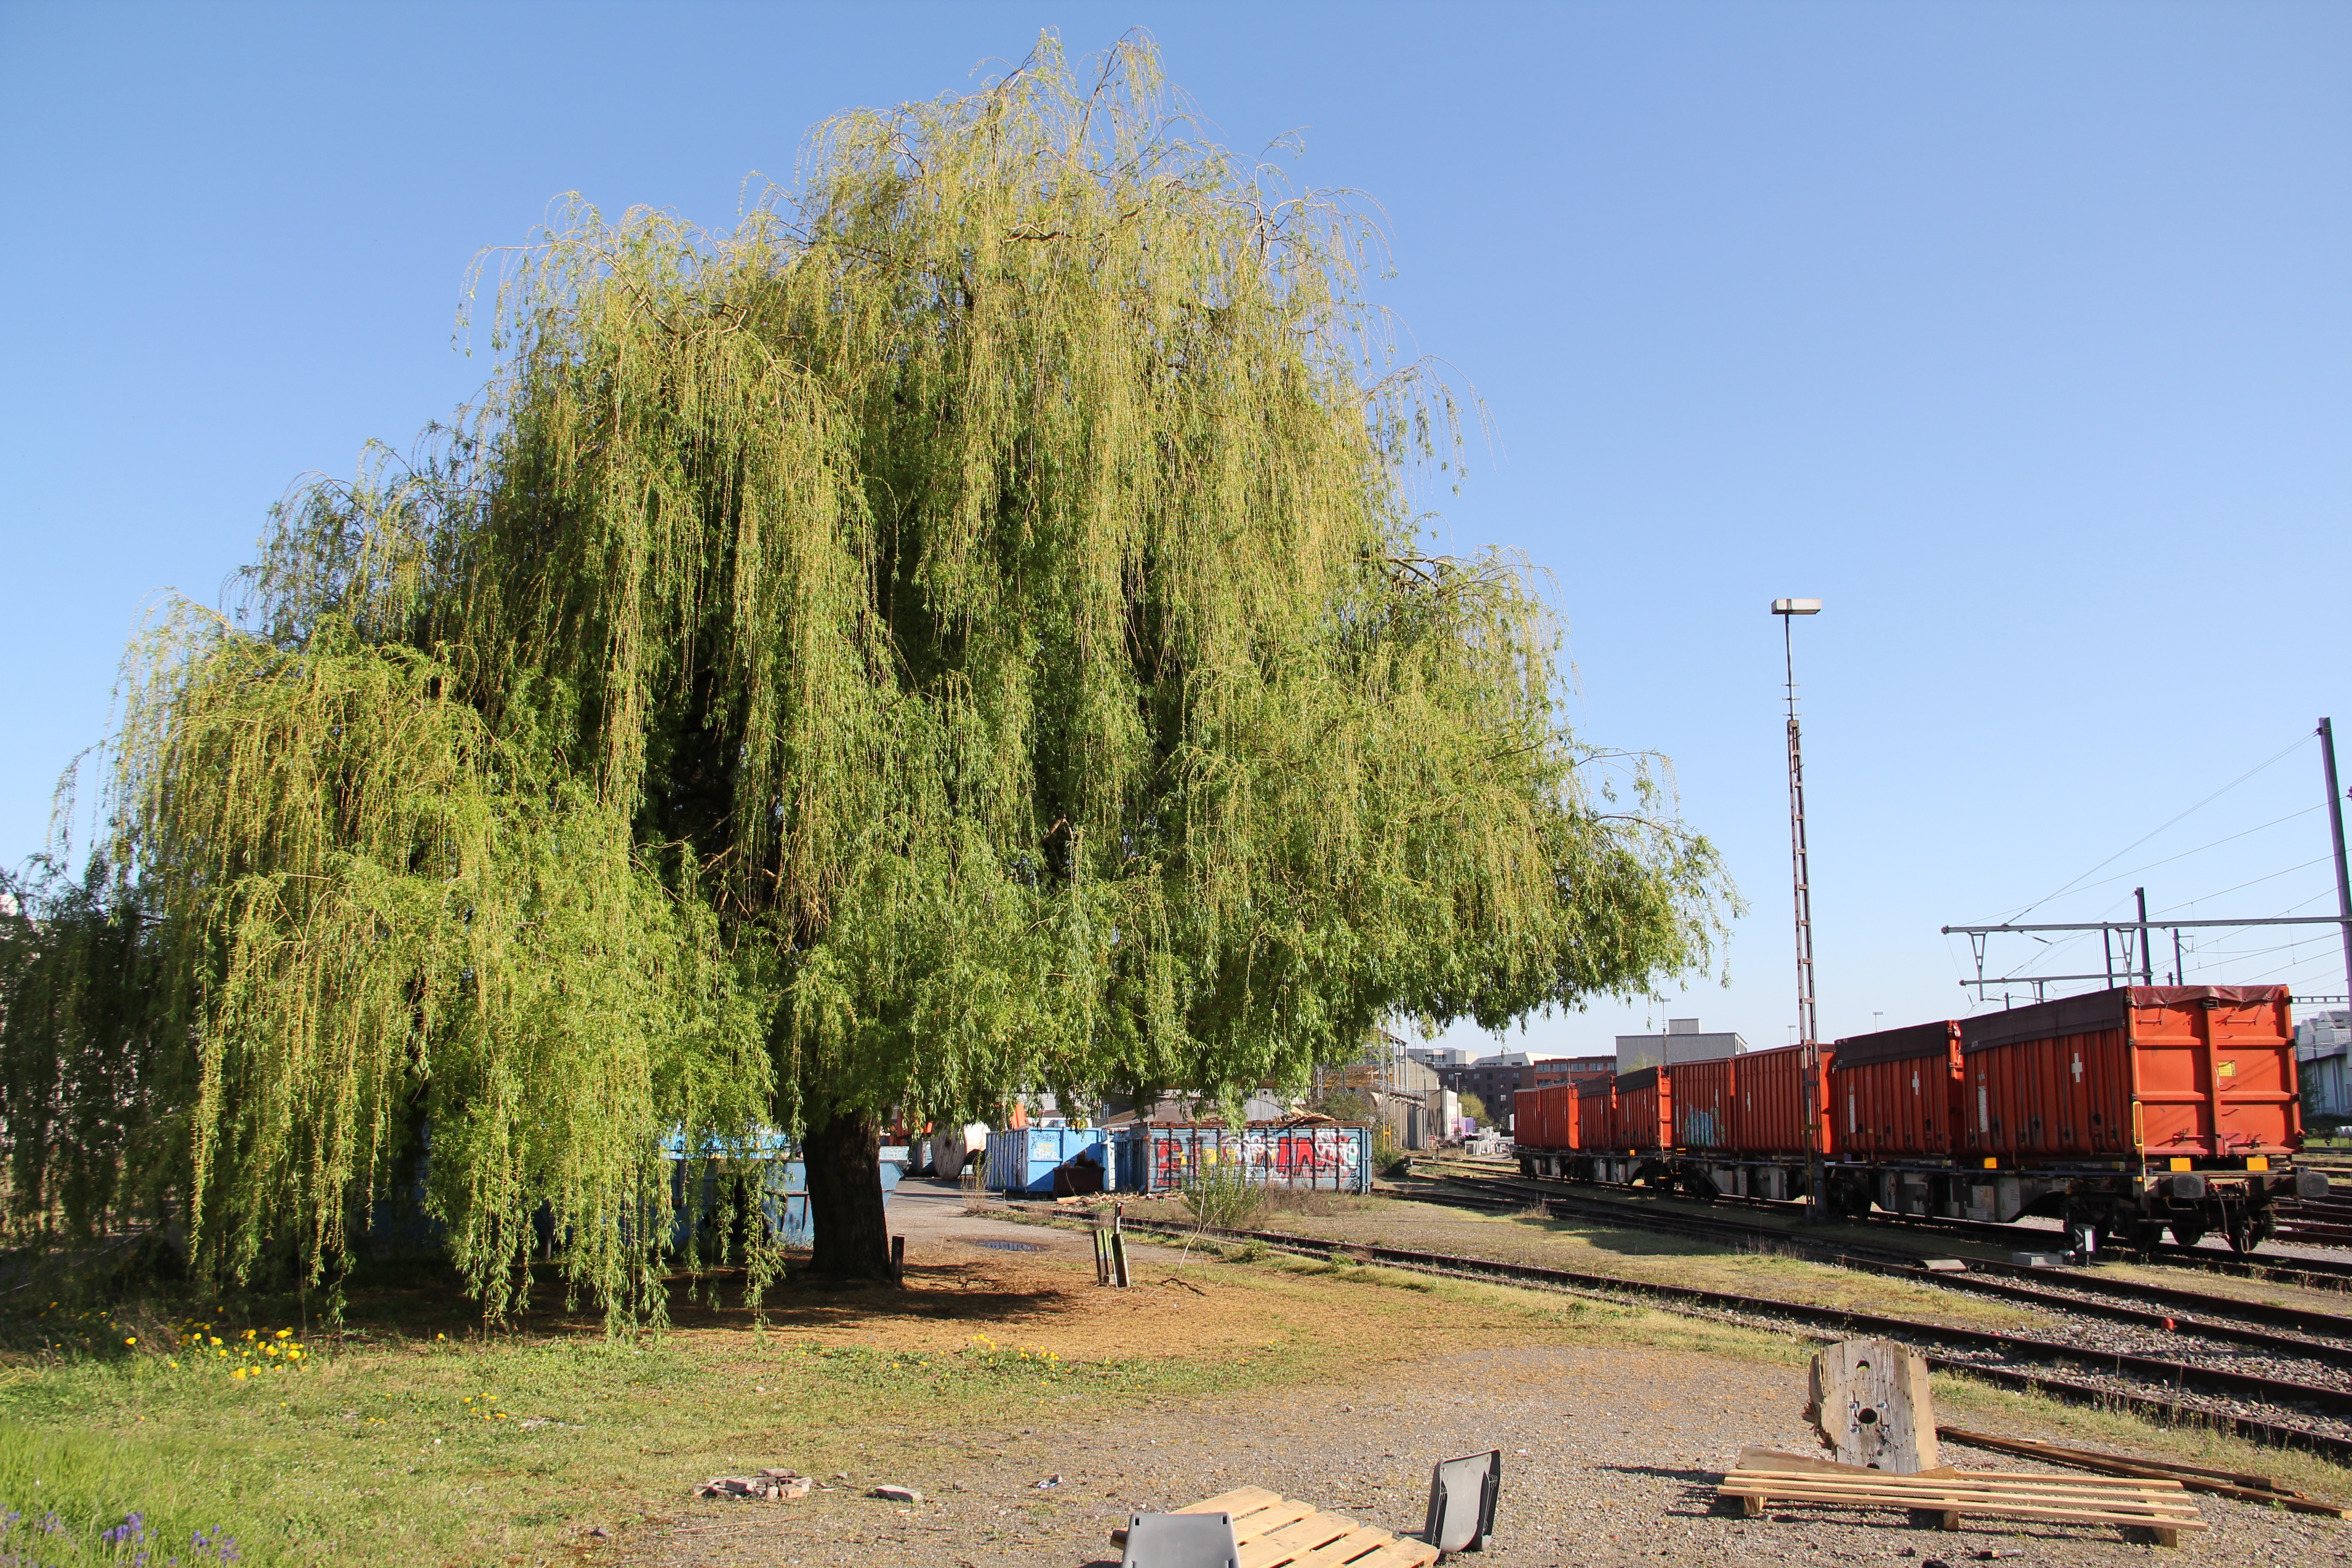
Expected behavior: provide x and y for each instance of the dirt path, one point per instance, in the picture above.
(1609, 1450)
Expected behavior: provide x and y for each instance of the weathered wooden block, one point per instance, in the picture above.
(1869, 1401)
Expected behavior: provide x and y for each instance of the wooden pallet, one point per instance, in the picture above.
(1273, 1531)
(2158, 1506)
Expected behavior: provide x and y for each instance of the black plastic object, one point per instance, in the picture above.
(1181, 1540)
(1462, 1494)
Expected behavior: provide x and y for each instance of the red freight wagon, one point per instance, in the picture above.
(1543, 1129)
(1769, 1116)
(1544, 1118)
(1895, 1094)
(2192, 1072)
(2129, 1110)
(1526, 1119)
(1646, 1111)
(1558, 1115)
(1701, 1100)
(1596, 1107)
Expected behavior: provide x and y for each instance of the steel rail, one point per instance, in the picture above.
(2321, 1274)
(2012, 1283)
(1694, 1301)
(2318, 1273)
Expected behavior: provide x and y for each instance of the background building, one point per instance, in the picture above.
(1496, 1079)
(1395, 1088)
(2321, 1042)
(1681, 1042)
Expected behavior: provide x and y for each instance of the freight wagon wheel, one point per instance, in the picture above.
(2187, 1234)
(2249, 1232)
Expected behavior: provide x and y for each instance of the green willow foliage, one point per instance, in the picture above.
(963, 629)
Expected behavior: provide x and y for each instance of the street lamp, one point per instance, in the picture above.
(1809, 1065)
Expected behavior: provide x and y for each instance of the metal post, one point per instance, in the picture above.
(2147, 973)
(1798, 859)
(2336, 827)
(1807, 1036)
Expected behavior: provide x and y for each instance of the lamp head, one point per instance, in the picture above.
(1796, 606)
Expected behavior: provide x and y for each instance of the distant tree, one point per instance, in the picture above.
(1347, 1105)
(1475, 1108)
(966, 627)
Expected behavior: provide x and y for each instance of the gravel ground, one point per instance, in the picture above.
(1611, 1454)
(1610, 1457)
(1440, 1230)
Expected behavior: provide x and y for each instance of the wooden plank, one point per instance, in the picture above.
(2195, 1477)
(2108, 1515)
(1825, 1487)
(1317, 1529)
(1776, 1459)
(1347, 1548)
(1269, 1519)
(1949, 1494)
(1400, 1553)
(2126, 1483)
(2033, 1448)
(1238, 1501)
(2012, 1511)
(1978, 1481)
(1953, 1487)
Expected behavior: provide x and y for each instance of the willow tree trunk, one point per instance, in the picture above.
(852, 1243)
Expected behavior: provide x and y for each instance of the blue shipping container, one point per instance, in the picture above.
(1049, 1161)
(783, 1200)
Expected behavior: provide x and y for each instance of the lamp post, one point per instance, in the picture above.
(1809, 1065)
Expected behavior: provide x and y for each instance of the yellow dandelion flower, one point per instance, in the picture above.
(239, 1374)
(131, 1340)
(285, 1333)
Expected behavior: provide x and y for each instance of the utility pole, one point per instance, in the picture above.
(2336, 827)
(2147, 973)
(1807, 1036)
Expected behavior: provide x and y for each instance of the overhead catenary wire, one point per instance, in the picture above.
(2071, 885)
(2185, 854)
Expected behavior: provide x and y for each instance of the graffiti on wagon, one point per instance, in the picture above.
(1302, 1156)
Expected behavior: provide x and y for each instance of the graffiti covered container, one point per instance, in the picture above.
(1154, 1157)
(1702, 1103)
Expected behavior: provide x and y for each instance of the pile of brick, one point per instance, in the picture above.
(767, 1485)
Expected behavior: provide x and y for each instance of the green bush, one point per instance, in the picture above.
(1220, 1195)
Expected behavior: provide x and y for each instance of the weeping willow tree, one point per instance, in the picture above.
(963, 629)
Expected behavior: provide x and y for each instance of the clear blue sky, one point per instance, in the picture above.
(2019, 333)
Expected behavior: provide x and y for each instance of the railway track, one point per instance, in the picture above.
(2313, 1273)
(2322, 1336)
(2282, 1412)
